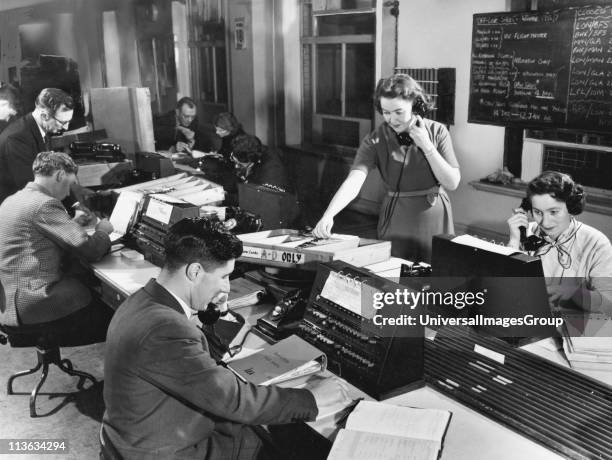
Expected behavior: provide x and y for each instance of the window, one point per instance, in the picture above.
(338, 60)
(208, 53)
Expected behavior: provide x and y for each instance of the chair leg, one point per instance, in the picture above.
(35, 391)
(66, 366)
(9, 384)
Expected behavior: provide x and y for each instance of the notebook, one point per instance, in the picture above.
(382, 431)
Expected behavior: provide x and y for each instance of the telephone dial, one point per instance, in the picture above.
(285, 317)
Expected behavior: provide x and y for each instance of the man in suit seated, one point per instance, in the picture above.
(25, 137)
(165, 396)
(180, 131)
(43, 293)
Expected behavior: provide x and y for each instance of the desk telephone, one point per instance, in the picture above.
(285, 317)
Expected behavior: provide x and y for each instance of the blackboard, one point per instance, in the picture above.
(543, 69)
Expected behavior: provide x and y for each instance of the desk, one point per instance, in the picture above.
(470, 435)
(121, 276)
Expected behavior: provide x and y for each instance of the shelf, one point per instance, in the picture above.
(597, 201)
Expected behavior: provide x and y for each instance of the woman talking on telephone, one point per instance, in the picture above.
(576, 258)
(417, 163)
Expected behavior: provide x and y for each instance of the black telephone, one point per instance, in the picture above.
(531, 242)
(420, 107)
(285, 317)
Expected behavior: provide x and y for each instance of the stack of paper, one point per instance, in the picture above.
(588, 340)
(589, 353)
(243, 293)
(384, 432)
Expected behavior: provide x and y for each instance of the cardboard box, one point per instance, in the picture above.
(287, 248)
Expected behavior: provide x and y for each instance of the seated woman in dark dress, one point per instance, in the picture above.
(227, 127)
(257, 164)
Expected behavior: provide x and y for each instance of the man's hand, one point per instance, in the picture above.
(105, 226)
(328, 392)
(84, 216)
(182, 147)
(189, 134)
(221, 302)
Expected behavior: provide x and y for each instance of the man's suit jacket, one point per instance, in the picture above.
(20, 142)
(166, 398)
(36, 236)
(167, 135)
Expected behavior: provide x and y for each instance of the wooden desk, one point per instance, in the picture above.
(470, 435)
(121, 276)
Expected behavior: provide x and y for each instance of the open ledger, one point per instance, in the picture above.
(380, 431)
(287, 359)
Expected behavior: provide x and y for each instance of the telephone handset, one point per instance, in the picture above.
(419, 107)
(531, 242)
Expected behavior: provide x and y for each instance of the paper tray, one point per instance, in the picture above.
(271, 249)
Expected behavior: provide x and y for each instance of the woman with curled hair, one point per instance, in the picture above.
(416, 160)
(227, 127)
(576, 258)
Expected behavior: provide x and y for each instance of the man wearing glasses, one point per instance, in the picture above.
(25, 137)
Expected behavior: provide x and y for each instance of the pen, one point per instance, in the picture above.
(347, 411)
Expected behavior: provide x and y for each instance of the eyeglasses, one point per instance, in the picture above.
(61, 123)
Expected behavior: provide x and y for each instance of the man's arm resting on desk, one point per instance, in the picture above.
(176, 362)
(54, 222)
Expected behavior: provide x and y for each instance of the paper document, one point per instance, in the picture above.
(474, 242)
(124, 214)
(380, 431)
(243, 293)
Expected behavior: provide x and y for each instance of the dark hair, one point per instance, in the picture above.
(48, 163)
(401, 86)
(52, 99)
(11, 94)
(247, 148)
(201, 240)
(227, 121)
(186, 101)
(561, 187)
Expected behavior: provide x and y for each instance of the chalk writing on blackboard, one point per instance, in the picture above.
(543, 69)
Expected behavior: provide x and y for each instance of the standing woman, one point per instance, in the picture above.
(416, 160)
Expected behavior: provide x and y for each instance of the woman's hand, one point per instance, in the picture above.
(323, 228)
(419, 134)
(517, 220)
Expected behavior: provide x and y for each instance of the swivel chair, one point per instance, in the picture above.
(47, 351)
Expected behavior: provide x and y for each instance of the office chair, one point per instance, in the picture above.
(47, 352)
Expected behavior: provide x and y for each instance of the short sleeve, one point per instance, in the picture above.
(366, 158)
(444, 145)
